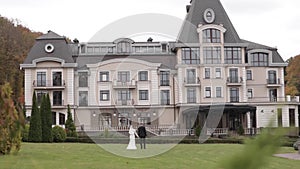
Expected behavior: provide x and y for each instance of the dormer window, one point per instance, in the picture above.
(123, 47)
(211, 36)
(259, 59)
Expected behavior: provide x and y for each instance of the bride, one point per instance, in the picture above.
(132, 134)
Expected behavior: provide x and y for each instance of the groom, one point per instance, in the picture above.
(142, 134)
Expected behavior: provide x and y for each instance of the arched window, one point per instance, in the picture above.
(211, 36)
(259, 59)
(123, 47)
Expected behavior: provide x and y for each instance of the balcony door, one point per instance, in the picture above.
(57, 79)
(233, 75)
(272, 77)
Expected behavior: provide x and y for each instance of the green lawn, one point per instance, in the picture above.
(89, 156)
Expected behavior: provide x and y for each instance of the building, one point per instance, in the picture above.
(208, 77)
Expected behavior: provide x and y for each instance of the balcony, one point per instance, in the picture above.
(192, 82)
(49, 84)
(234, 81)
(124, 85)
(124, 102)
(273, 83)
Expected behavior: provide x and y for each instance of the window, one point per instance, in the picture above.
(234, 94)
(191, 95)
(150, 49)
(164, 48)
(233, 56)
(250, 93)
(143, 76)
(90, 49)
(233, 75)
(164, 78)
(211, 36)
(83, 79)
(123, 47)
(279, 117)
(190, 56)
(292, 117)
(39, 96)
(53, 118)
(165, 97)
(272, 78)
(57, 98)
(208, 92)
(218, 92)
(191, 76)
(249, 74)
(62, 119)
(104, 95)
(207, 73)
(143, 95)
(212, 55)
(83, 98)
(124, 76)
(218, 73)
(259, 59)
(57, 79)
(273, 95)
(41, 79)
(104, 76)
(124, 95)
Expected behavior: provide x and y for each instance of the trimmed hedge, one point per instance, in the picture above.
(58, 134)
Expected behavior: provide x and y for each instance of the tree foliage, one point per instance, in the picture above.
(11, 122)
(46, 119)
(70, 126)
(292, 77)
(15, 42)
(35, 129)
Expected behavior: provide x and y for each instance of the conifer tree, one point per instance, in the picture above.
(35, 129)
(46, 119)
(70, 126)
(10, 122)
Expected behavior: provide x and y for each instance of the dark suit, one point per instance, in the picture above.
(142, 134)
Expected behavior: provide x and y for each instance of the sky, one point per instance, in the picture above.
(275, 23)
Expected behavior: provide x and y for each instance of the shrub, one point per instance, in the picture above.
(25, 133)
(240, 130)
(70, 126)
(58, 134)
(198, 130)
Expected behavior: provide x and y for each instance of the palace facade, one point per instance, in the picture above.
(208, 77)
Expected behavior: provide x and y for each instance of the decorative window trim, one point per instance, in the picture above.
(49, 48)
(209, 15)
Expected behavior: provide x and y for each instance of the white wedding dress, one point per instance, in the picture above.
(131, 144)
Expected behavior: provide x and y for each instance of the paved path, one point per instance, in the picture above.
(292, 156)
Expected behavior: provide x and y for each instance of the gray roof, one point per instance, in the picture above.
(188, 33)
(276, 58)
(168, 61)
(51, 35)
(62, 49)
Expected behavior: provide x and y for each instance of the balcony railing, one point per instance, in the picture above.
(124, 85)
(124, 102)
(273, 82)
(48, 84)
(234, 80)
(192, 81)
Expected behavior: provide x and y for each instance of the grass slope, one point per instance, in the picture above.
(91, 156)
